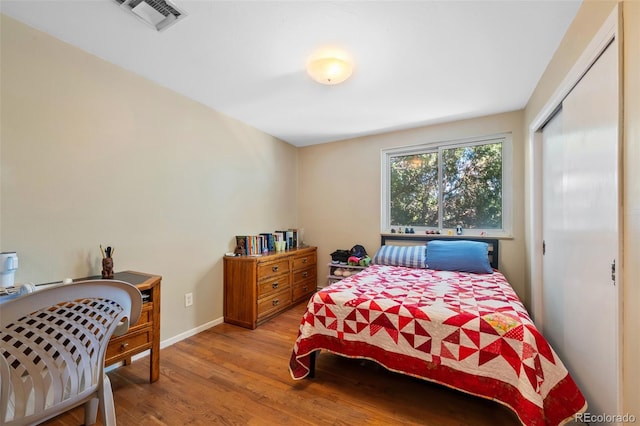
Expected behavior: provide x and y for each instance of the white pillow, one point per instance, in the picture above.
(410, 256)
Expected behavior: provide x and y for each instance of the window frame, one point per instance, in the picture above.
(438, 147)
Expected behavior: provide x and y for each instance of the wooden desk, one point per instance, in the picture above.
(145, 334)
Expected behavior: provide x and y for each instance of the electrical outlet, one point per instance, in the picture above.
(188, 299)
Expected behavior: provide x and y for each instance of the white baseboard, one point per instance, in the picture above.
(172, 340)
(189, 333)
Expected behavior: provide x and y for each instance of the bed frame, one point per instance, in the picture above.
(416, 239)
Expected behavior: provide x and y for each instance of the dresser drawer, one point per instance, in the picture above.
(273, 285)
(274, 303)
(304, 261)
(132, 342)
(303, 289)
(304, 274)
(266, 270)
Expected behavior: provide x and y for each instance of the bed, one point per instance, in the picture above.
(458, 323)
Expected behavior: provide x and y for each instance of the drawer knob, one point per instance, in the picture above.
(304, 274)
(304, 260)
(304, 288)
(275, 302)
(124, 345)
(274, 285)
(274, 268)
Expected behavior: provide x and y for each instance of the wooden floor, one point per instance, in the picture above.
(232, 376)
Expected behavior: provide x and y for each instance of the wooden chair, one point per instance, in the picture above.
(52, 349)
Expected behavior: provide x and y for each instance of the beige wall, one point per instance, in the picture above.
(339, 183)
(93, 154)
(588, 21)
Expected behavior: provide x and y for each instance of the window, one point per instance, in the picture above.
(442, 185)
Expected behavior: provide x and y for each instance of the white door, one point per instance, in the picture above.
(580, 230)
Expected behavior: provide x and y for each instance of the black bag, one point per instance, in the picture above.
(340, 256)
(358, 251)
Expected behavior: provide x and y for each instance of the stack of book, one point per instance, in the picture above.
(254, 245)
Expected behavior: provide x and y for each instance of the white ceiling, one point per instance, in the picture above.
(416, 62)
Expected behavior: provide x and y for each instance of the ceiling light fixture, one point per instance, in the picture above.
(330, 67)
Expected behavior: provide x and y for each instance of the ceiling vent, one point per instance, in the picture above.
(158, 14)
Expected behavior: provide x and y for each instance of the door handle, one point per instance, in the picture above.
(613, 272)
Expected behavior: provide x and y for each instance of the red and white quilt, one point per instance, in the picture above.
(467, 331)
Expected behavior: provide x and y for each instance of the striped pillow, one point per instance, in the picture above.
(410, 256)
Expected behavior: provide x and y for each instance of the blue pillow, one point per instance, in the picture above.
(410, 256)
(462, 255)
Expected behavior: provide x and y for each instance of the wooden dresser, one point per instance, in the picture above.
(258, 288)
(145, 334)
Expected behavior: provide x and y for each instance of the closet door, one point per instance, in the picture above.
(555, 271)
(581, 234)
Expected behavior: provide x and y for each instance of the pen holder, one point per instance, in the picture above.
(107, 267)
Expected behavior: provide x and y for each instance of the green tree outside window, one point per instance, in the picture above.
(448, 186)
